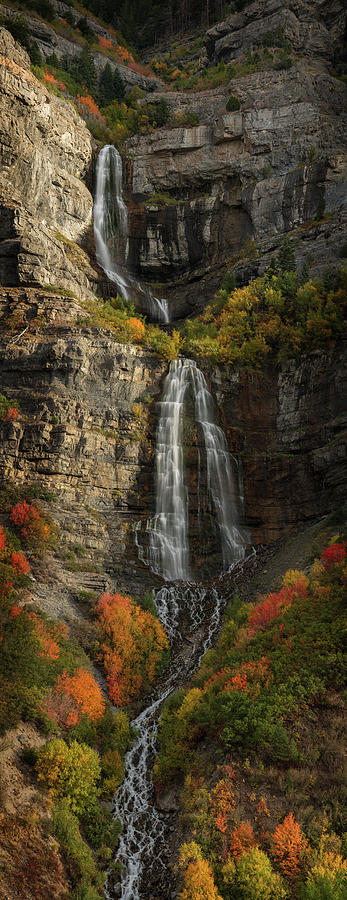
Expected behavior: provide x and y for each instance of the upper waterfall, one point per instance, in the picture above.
(111, 233)
(169, 550)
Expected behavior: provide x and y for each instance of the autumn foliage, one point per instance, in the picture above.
(290, 847)
(137, 328)
(197, 875)
(133, 641)
(30, 522)
(242, 839)
(88, 101)
(49, 647)
(73, 696)
(333, 555)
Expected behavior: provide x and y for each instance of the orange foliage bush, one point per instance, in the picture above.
(133, 647)
(89, 102)
(136, 327)
(222, 800)
(104, 42)
(242, 839)
(11, 414)
(271, 606)
(49, 647)
(75, 695)
(290, 847)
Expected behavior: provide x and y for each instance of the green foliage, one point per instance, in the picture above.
(119, 318)
(70, 772)
(253, 878)
(275, 315)
(233, 103)
(79, 858)
(325, 887)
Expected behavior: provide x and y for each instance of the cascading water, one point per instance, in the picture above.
(168, 551)
(111, 233)
(183, 608)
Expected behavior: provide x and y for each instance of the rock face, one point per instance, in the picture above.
(86, 427)
(313, 28)
(198, 195)
(45, 155)
(290, 431)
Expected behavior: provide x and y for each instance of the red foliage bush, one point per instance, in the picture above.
(12, 414)
(333, 556)
(20, 563)
(2, 540)
(30, 522)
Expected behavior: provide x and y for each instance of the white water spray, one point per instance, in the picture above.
(111, 233)
(168, 552)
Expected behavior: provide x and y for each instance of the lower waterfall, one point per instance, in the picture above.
(111, 234)
(182, 605)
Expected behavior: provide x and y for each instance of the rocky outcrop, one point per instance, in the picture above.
(199, 194)
(45, 155)
(313, 28)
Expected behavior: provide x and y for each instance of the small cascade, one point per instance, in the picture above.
(111, 234)
(167, 530)
(142, 846)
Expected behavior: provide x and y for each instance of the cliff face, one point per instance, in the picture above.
(201, 194)
(45, 158)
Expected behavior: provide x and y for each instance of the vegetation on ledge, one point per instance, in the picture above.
(277, 316)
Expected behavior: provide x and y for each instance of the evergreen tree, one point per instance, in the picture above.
(106, 88)
(87, 71)
(286, 255)
(35, 55)
(118, 85)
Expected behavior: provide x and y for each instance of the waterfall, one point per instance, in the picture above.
(111, 233)
(168, 552)
(189, 612)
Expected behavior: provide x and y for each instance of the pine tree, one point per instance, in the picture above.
(106, 86)
(118, 85)
(87, 71)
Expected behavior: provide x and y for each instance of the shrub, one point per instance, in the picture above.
(78, 855)
(241, 840)
(333, 556)
(253, 878)
(134, 642)
(74, 696)
(69, 772)
(233, 103)
(31, 523)
(197, 875)
(290, 847)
